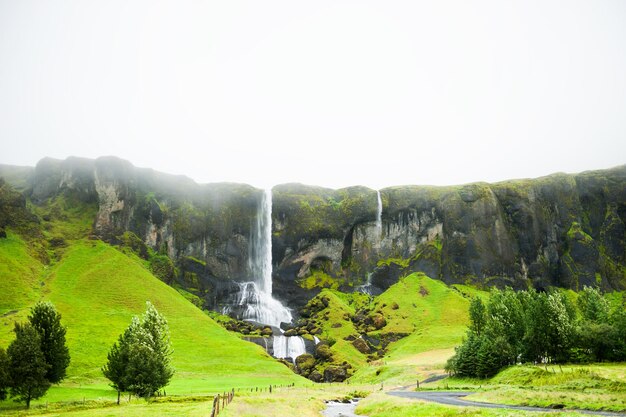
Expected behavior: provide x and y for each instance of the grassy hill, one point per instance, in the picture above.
(20, 275)
(424, 319)
(98, 289)
(433, 314)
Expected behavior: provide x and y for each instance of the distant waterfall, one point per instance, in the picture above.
(379, 218)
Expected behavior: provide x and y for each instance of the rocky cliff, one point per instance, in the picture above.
(559, 230)
(563, 230)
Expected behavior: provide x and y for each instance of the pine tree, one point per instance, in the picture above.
(156, 326)
(140, 361)
(27, 365)
(5, 379)
(116, 367)
(47, 321)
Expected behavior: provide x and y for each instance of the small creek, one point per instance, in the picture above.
(339, 409)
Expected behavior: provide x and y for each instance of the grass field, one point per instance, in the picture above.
(98, 289)
(382, 405)
(592, 387)
(20, 277)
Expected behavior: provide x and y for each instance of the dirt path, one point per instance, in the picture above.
(457, 398)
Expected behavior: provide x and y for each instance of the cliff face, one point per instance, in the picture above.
(564, 230)
(205, 228)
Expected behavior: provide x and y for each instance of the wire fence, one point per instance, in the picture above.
(220, 401)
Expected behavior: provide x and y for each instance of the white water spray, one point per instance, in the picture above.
(254, 300)
(256, 295)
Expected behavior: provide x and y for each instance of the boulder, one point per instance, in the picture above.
(335, 374)
(361, 345)
(322, 351)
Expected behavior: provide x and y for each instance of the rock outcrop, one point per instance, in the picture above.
(559, 230)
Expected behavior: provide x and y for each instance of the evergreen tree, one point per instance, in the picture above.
(494, 353)
(116, 367)
(464, 363)
(5, 379)
(47, 321)
(27, 365)
(159, 341)
(140, 361)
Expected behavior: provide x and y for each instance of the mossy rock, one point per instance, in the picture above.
(335, 374)
(322, 351)
(378, 321)
(316, 376)
(304, 363)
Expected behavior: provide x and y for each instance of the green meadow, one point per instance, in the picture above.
(97, 289)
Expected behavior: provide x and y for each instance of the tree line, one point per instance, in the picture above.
(539, 327)
(138, 363)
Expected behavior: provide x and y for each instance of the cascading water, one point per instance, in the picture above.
(254, 301)
(379, 218)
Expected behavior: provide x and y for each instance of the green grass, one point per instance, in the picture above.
(593, 387)
(382, 405)
(436, 318)
(66, 216)
(338, 308)
(20, 273)
(98, 289)
(435, 315)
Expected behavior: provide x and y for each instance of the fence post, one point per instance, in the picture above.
(216, 406)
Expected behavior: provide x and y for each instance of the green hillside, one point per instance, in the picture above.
(98, 289)
(20, 276)
(434, 316)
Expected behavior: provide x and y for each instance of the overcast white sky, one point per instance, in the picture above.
(332, 93)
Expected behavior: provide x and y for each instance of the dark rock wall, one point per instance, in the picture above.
(564, 230)
(171, 214)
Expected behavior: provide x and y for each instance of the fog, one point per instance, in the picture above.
(332, 93)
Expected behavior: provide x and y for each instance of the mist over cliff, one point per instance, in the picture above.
(560, 230)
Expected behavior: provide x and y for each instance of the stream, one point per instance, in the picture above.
(340, 409)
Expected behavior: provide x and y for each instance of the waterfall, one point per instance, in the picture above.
(288, 347)
(379, 217)
(260, 254)
(253, 301)
(316, 339)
